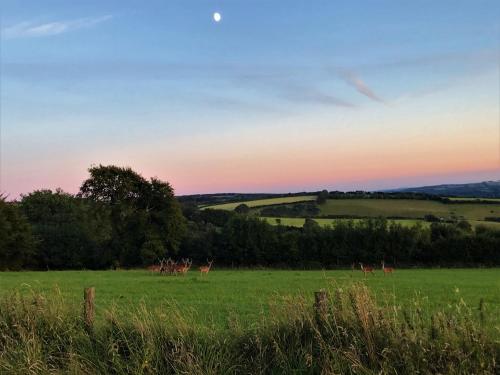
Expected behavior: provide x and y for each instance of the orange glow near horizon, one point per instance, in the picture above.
(289, 156)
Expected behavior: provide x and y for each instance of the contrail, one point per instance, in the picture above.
(355, 81)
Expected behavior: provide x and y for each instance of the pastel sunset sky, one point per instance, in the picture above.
(279, 96)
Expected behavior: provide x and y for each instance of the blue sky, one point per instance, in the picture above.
(278, 96)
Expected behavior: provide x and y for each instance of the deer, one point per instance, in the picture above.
(387, 269)
(154, 268)
(184, 267)
(366, 269)
(167, 266)
(206, 269)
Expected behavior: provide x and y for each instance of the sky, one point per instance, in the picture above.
(278, 96)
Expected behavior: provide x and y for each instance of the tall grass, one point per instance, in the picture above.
(354, 336)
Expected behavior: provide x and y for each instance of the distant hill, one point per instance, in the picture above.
(486, 189)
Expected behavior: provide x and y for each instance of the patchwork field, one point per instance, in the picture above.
(408, 208)
(263, 202)
(411, 210)
(225, 295)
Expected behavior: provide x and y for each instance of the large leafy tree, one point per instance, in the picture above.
(146, 218)
(17, 246)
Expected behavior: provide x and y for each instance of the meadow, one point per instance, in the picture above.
(245, 295)
(472, 199)
(408, 208)
(299, 222)
(252, 322)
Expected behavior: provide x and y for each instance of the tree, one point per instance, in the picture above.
(242, 209)
(113, 185)
(322, 197)
(431, 218)
(17, 246)
(141, 210)
(310, 224)
(464, 225)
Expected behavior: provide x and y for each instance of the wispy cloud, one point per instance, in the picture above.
(352, 79)
(33, 30)
(286, 87)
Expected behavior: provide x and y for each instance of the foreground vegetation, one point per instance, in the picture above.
(246, 294)
(351, 333)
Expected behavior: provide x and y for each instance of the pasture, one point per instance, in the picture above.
(299, 222)
(263, 202)
(223, 296)
(408, 208)
(472, 199)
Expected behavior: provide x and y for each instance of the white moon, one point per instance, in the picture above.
(217, 17)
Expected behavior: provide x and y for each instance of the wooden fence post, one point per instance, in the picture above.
(321, 303)
(88, 307)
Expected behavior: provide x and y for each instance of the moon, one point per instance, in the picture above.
(217, 17)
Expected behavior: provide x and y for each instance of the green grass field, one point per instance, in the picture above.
(227, 294)
(299, 222)
(466, 199)
(263, 202)
(407, 208)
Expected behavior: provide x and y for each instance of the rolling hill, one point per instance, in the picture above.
(486, 189)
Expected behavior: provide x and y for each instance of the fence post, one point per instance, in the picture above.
(88, 307)
(321, 303)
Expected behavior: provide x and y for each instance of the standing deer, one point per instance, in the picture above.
(184, 267)
(167, 266)
(206, 269)
(387, 269)
(366, 269)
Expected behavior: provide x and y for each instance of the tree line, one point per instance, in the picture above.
(121, 219)
(246, 241)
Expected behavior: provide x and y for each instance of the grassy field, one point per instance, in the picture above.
(407, 208)
(263, 202)
(245, 295)
(465, 199)
(299, 222)
(252, 322)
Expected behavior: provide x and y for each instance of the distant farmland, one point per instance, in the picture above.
(263, 202)
(406, 212)
(408, 208)
(299, 222)
(468, 199)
